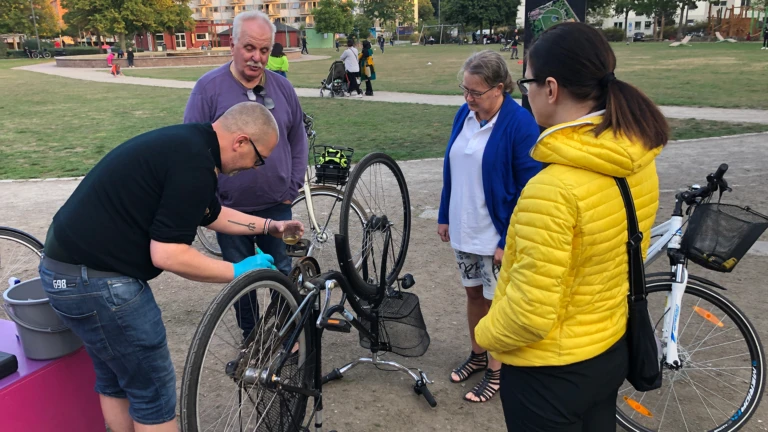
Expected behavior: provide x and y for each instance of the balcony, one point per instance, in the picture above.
(270, 1)
(237, 2)
(206, 14)
(305, 11)
(239, 9)
(204, 2)
(273, 12)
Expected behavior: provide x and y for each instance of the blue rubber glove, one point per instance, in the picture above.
(259, 261)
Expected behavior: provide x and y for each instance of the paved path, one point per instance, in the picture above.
(718, 114)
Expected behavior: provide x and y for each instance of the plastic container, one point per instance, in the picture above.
(43, 336)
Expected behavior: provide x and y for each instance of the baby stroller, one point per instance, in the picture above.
(336, 82)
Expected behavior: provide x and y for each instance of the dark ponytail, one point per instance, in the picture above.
(580, 59)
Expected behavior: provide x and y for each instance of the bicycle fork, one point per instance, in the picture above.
(671, 330)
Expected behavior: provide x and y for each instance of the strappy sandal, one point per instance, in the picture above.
(474, 364)
(483, 390)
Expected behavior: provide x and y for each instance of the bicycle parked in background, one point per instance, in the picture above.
(712, 359)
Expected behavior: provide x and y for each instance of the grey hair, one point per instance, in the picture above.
(249, 118)
(237, 25)
(491, 68)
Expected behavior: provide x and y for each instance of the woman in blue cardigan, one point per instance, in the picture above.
(487, 164)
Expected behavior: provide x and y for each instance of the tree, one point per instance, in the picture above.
(426, 10)
(478, 13)
(466, 12)
(16, 17)
(363, 26)
(624, 7)
(389, 11)
(127, 17)
(334, 16)
(658, 9)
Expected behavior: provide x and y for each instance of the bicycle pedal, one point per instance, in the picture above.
(336, 325)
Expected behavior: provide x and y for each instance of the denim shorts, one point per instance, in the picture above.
(122, 329)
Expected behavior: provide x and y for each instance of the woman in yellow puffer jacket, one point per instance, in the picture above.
(559, 313)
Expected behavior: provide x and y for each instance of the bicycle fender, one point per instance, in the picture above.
(671, 276)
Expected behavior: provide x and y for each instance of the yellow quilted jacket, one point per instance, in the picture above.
(562, 291)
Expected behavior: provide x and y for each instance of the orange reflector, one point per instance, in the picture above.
(708, 316)
(637, 407)
(333, 321)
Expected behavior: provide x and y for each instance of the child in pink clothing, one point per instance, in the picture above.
(110, 56)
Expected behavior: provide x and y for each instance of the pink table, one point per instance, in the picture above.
(54, 395)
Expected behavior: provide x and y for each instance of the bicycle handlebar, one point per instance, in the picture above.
(715, 182)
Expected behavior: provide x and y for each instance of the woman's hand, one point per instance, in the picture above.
(498, 256)
(442, 231)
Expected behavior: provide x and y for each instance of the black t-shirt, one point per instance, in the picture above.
(160, 186)
(130, 55)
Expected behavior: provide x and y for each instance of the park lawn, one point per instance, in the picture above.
(704, 74)
(57, 127)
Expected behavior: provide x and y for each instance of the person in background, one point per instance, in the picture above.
(515, 42)
(278, 61)
(130, 57)
(120, 53)
(391, 41)
(349, 57)
(486, 166)
(381, 43)
(337, 45)
(559, 317)
(115, 71)
(765, 34)
(304, 49)
(367, 71)
(110, 59)
(266, 192)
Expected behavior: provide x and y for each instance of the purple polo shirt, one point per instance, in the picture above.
(282, 175)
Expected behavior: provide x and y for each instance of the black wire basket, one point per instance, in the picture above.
(402, 329)
(332, 164)
(719, 235)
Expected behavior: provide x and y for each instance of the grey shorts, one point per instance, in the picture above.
(476, 270)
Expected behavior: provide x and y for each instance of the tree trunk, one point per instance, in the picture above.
(98, 40)
(121, 37)
(663, 17)
(655, 26)
(626, 17)
(682, 21)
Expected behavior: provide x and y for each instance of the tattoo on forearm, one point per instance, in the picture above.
(251, 226)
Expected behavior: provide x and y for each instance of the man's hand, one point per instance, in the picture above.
(498, 256)
(258, 261)
(289, 202)
(276, 228)
(442, 231)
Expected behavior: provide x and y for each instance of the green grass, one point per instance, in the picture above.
(705, 74)
(57, 127)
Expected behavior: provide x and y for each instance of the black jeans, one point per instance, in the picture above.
(353, 85)
(368, 88)
(579, 397)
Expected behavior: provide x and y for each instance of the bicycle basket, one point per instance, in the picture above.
(719, 235)
(332, 164)
(402, 329)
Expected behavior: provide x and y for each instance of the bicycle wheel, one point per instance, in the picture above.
(723, 375)
(326, 203)
(208, 239)
(216, 392)
(20, 255)
(378, 184)
(47, 55)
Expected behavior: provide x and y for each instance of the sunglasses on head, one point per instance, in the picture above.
(260, 91)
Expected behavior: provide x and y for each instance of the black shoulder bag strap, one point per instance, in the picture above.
(636, 267)
(644, 367)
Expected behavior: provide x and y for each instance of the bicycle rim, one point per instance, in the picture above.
(326, 203)
(215, 395)
(209, 241)
(722, 378)
(378, 185)
(20, 255)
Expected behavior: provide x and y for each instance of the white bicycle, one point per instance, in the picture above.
(712, 358)
(318, 204)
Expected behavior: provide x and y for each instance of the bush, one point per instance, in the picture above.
(32, 44)
(670, 32)
(3, 50)
(614, 34)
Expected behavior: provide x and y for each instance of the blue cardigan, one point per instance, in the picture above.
(507, 165)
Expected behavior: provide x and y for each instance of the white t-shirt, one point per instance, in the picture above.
(349, 57)
(470, 225)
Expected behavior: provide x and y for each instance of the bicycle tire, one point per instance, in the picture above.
(47, 55)
(210, 245)
(752, 398)
(363, 288)
(223, 302)
(26, 241)
(324, 237)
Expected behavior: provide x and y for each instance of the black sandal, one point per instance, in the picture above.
(474, 364)
(483, 390)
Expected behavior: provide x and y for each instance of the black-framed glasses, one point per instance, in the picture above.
(259, 160)
(260, 91)
(522, 84)
(472, 93)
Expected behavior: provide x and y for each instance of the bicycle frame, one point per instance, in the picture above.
(671, 236)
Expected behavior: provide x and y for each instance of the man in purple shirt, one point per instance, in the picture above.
(269, 191)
